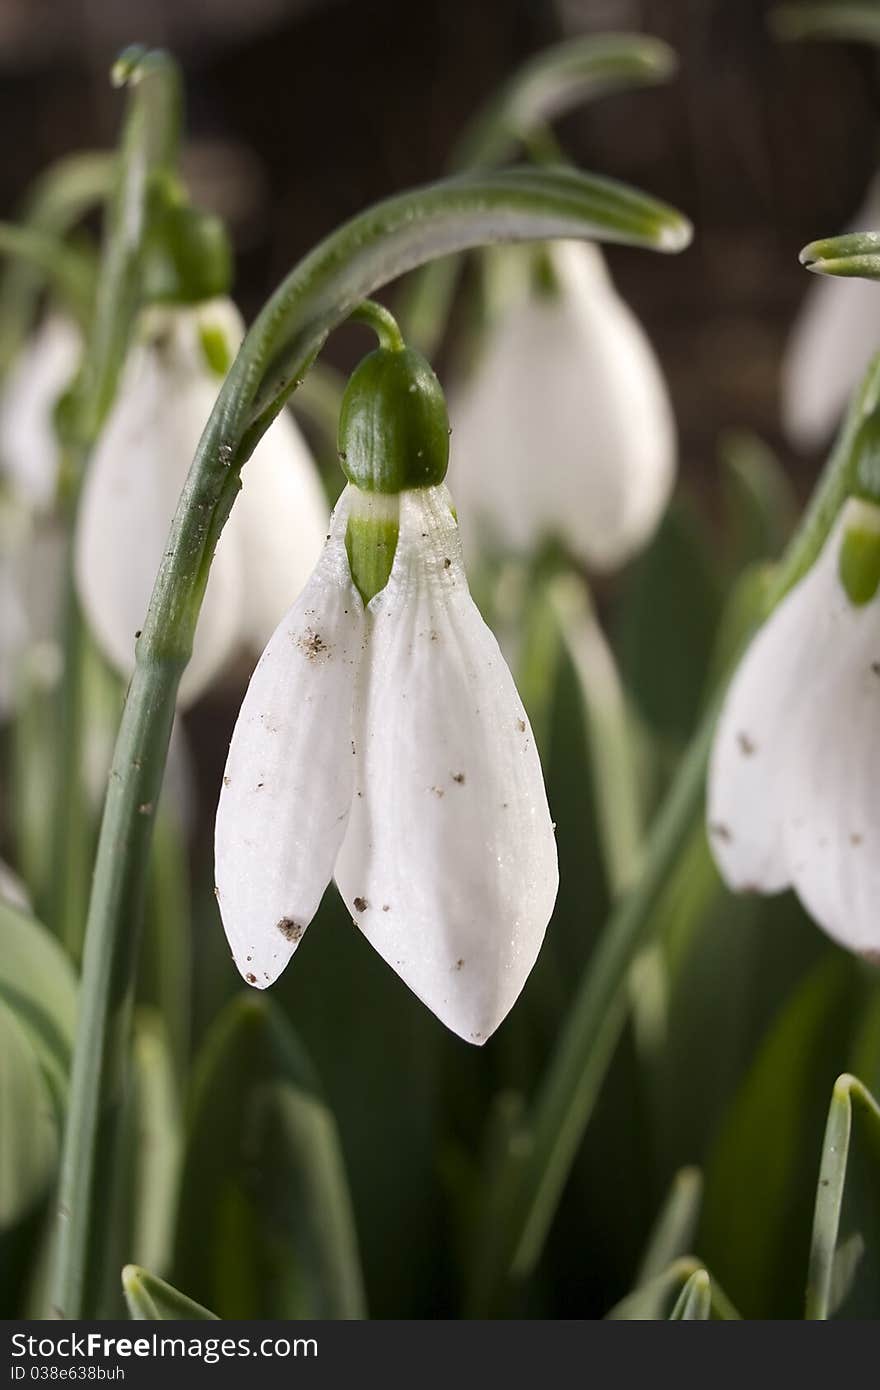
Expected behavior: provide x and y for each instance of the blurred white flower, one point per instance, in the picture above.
(39, 376)
(834, 336)
(387, 746)
(565, 428)
(795, 766)
(133, 485)
(12, 890)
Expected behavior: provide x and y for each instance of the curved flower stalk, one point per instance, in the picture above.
(794, 766)
(835, 334)
(29, 452)
(565, 429)
(168, 388)
(382, 741)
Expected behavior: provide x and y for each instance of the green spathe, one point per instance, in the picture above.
(859, 559)
(393, 425)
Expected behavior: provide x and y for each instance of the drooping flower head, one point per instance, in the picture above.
(382, 741)
(565, 430)
(795, 767)
(134, 480)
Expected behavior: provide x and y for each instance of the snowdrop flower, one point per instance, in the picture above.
(134, 482)
(37, 379)
(565, 428)
(792, 794)
(382, 740)
(835, 334)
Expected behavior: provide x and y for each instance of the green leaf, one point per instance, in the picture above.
(29, 1122)
(156, 1144)
(265, 1225)
(554, 82)
(695, 1300)
(53, 205)
(844, 1269)
(612, 764)
(853, 255)
(666, 621)
(545, 87)
(759, 500)
(152, 1300)
(841, 20)
(658, 1298)
(676, 1225)
(760, 1176)
(38, 986)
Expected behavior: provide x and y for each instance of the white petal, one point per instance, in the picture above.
(831, 824)
(28, 444)
(289, 778)
(759, 739)
(131, 492)
(834, 336)
(449, 863)
(282, 514)
(566, 428)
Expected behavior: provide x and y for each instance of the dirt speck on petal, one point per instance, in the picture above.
(721, 832)
(251, 979)
(747, 746)
(312, 645)
(360, 904)
(459, 778)
(290, 929)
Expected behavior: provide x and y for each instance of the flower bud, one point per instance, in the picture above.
(393, 424)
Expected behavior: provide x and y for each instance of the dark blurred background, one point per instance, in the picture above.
(303, 111)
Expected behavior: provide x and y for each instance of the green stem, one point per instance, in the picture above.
(382, 322)
(320, 292)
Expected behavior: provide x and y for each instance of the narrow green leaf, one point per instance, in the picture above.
(29, 1122)
(844, 1269)
(760, 1174)
(59, 197)
(657, 1299)
(152, 1300)
(616, 783)
(543, 89)
(854, 255)
(554, 82)
(265, 1225)
(759, 500)
(38, 986)
(667, 615)
(695, 1300)
(840, 20)
(676, 1225)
